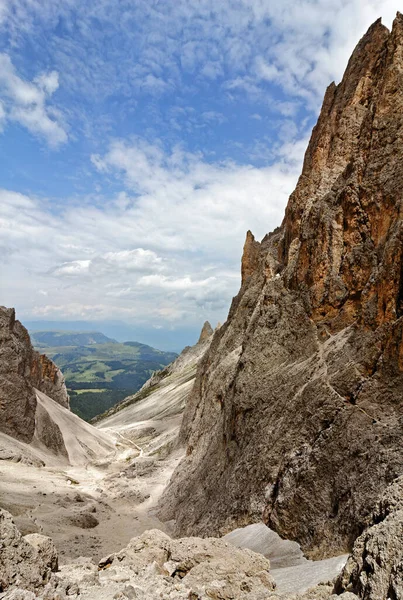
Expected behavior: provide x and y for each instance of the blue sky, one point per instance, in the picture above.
(140, 140)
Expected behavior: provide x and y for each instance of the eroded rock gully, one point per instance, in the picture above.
(297, 415)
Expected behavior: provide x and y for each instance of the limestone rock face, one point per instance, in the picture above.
(250, 257)
(296, 416)
(26, 562)
(375, 568)
(17, 396)
(21, 370)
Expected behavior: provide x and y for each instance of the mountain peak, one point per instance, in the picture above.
(250, 256)
(206, 331)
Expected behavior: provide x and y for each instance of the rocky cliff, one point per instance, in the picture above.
(48, 378)
(21, 370)
(17, 396)
(297, 414)
(375, 568)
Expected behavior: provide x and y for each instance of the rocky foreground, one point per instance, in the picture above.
(154, 565)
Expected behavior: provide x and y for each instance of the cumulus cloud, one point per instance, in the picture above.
(172, 283)
(27, 102)
(168, 248)
(75, 267)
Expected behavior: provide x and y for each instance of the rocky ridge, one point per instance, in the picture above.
(296, 416)
(36, 425)
(177, 377)
(22, 371)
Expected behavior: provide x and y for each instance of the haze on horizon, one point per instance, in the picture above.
(140, 141)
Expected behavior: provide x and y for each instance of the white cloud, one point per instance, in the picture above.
(167, 248)
(136, 260)
(301, 46)
(27, 103)
(183, 202)
(172, 283)
(75, 267)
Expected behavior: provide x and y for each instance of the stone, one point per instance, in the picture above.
(49, 379)
(375, 568)
(204, 566)
(21, 371)
(130, 592)
(206, 332)
(17, 396)
(22, 563)
(45, 548)
(250, 257)
(83, 519)
(19, 594)
(296, 413)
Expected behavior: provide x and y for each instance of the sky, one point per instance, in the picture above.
(141, 139)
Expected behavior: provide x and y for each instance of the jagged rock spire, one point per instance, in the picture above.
(250, 256)
(206, 331)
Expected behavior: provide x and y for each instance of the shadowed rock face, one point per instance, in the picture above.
(375, 568)
(21, 370)
(297, 414)
(17, 397)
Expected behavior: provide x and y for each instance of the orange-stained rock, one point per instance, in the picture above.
(48, 378)
(206, 332)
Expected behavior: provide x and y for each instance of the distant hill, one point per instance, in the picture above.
(69, 338)
(99, 373)
(164, 338)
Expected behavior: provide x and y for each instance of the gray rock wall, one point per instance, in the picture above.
(21, 370)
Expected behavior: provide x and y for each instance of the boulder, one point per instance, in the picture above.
(207, 568)
(25, 562)
(375, 568)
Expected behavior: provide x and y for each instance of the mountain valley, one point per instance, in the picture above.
(266, 461)
(99, 371)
